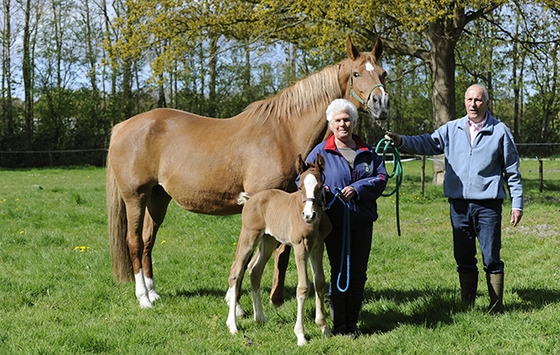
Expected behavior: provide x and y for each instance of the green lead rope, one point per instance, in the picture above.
(397, 172)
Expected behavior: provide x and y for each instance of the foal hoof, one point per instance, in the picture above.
(301, 340)
(145, 303)
(153, 296)
(239, 311)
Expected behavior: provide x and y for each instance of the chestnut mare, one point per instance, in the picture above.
(205, 163)
(296, 219)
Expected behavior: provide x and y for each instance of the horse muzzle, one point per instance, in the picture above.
(378, 106)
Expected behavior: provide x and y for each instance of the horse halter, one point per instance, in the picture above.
(356, 96)
(314, 200)
(320, 201)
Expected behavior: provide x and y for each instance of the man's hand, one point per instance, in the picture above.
(394, 137)
(515, 217)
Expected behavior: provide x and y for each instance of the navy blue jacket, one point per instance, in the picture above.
(368, 177)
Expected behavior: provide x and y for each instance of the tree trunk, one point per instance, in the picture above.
(27, 73)
(442, 66)
(212, 69)
(6, 71)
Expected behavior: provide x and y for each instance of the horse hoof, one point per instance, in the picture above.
(232, 328)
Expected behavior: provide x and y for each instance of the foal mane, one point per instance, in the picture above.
(307, 94)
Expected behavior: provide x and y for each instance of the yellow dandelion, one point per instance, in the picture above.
(21, 232)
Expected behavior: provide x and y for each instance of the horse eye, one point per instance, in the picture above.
(356, 74)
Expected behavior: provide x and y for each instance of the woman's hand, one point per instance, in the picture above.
(347, 193)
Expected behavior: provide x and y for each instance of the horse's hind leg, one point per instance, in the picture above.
(247, 242)
(281, 259)
(135, 211)
(256, 268)
(155, 213)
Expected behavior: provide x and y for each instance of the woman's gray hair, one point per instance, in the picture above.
(342, 105)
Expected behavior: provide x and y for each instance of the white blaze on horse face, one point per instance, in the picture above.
(369, 67)
(309, 183)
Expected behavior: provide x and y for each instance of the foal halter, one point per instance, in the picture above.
(356, 96)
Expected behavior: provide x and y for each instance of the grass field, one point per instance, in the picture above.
(57, 295)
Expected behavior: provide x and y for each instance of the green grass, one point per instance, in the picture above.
(57, 295)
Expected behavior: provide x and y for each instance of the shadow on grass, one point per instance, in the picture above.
(534, 298)
(386, 310)
(429, 308)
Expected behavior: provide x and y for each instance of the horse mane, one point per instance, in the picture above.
(307, 94)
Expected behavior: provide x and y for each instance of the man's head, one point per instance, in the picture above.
(476, 102)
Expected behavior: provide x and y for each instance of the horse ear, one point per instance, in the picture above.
(352, 51)
(377, 50)
(301, 165)
(320, 162)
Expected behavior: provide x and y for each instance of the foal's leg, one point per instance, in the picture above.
(316, 259)
(281, 259)
(301, 256)
(245, 245)
(268, 244)
(156, 210)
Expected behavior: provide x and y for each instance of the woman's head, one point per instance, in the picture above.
(342, 105)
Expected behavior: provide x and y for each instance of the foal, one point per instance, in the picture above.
(296, 219)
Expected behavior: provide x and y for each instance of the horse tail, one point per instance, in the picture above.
(117, 222)
(243, 198)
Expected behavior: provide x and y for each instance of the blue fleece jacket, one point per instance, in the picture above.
(368, 177)
(478, 171)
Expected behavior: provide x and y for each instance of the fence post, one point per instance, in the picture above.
(541, 178)
(423, 175)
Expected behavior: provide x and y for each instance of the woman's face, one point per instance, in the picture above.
(342, 126)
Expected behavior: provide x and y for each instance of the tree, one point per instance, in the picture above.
(32, 13)
(7, 102)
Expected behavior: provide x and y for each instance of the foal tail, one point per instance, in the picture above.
(243, 198)
(116, 211)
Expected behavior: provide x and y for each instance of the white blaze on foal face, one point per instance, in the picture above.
(309, 184)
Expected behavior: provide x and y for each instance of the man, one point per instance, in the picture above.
(480, 156)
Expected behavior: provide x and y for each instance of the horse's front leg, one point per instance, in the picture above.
(301, 256)
(316, 259)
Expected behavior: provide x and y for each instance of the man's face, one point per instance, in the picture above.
(475, 104)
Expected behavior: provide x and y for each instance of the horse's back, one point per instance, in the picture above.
(176, 149)
(275, 212)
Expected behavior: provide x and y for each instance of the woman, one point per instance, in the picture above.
(354, 178)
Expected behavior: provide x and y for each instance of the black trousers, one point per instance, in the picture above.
(360, 246)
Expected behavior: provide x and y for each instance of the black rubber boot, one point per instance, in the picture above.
(353, 307)
(338, 314)
(496, 290)
(469, 285)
